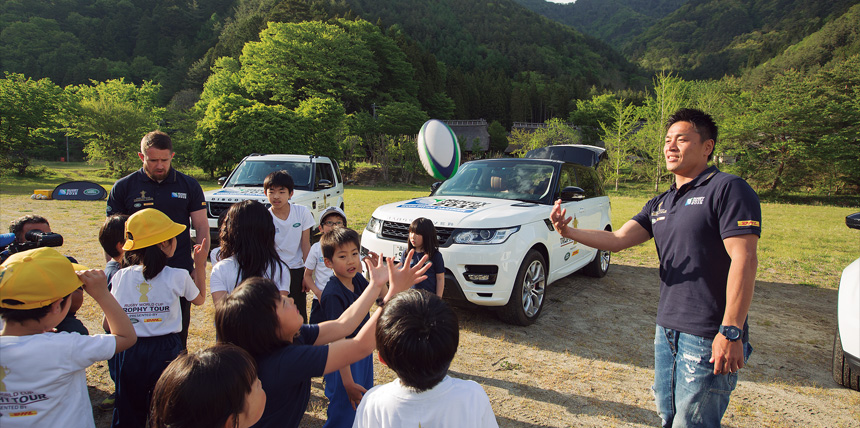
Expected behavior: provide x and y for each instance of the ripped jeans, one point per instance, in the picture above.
(686, 390)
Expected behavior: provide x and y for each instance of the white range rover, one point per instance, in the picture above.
(495, 235)
(318, 185)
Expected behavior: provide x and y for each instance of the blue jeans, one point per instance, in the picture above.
(686, 390)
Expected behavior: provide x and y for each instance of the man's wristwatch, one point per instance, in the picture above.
(731, 332)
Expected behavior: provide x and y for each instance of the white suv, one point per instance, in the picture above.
(318, 184)
(846, 343)
(495, 236)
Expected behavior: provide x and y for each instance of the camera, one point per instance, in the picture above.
(36, 239)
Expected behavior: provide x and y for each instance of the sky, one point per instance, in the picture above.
(561, 1)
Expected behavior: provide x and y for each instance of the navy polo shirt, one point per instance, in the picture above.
(177, 196)
(688, 226)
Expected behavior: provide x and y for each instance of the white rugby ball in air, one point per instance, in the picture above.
(438, 149)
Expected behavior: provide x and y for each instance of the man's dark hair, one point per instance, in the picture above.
(112, 232)
(417, 336)
(156, 139)
(22, 315)
(280, 178)
(701, 121)
(330, 242)
(16, 226)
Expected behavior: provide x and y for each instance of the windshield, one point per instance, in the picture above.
(515, 179)
(252, 173)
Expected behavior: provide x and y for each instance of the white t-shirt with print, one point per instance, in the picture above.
(44, 380)
(288, 234)
(225, 276)
(153, 306)
(316, 263)
(452, 403)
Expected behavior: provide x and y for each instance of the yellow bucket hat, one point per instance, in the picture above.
(148, 227)
(36, 278)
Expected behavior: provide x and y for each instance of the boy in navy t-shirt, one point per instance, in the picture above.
(344, 388)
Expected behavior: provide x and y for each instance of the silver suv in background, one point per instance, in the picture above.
(318, 184)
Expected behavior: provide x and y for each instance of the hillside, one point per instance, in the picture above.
(835, 41)
(74, 41)
(500, 35)
(711, 38)
(616, 22)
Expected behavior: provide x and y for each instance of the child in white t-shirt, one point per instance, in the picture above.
(417, 336)
(293, 225)
(317, 274)
(149, 292)
(43, 374)
(247, 249)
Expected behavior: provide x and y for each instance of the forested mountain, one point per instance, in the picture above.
(614, 21)
(834, 42)
(73, 41)
(711, 38)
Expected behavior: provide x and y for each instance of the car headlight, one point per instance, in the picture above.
(374, 225)
(484, 236)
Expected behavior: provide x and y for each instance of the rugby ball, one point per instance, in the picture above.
(438, 149)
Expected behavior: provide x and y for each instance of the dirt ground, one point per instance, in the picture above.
(588, 361)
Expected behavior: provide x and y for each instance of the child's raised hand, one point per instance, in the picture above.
(95, 281)
(199, 247)
(403, 276)
(376, 268)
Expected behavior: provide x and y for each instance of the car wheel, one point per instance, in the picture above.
(843, 373)
(600, 265)
(527, 297)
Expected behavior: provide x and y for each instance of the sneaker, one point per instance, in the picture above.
(107, 403)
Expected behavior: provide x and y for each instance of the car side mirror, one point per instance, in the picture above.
(324, 184)
(221, 181)
(434, 187)
(853, 221)
(572, 193)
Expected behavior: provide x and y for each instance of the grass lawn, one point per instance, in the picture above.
(801, 244)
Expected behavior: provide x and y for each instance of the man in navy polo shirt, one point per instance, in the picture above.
(706, 228)
(157, 185)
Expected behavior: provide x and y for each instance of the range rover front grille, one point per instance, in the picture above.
(218, 208)
(400, 232)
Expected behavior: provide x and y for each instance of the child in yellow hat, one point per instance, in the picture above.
(42, 373)
(149, 292)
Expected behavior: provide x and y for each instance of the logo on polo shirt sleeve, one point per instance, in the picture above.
(742, 223)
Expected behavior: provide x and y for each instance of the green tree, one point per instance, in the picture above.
(29, 112)
(400, 118)
(669, 95)
(780, 129)
(498, 137)
(110, 118)
(234, 127)
(556, 132)
(618, 136)
(292, 62)
(590, 114)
